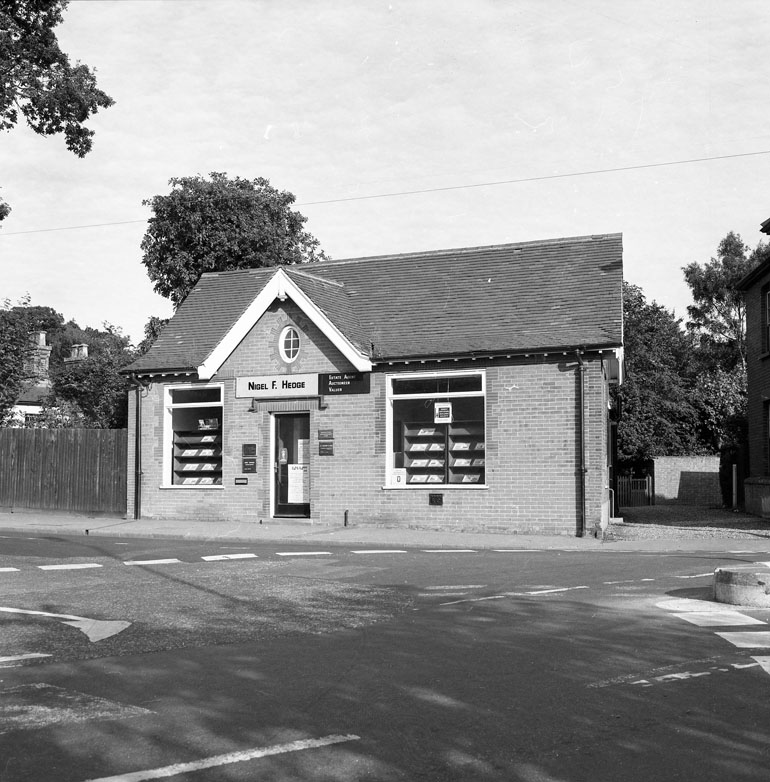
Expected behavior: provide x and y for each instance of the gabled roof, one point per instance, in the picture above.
(514, 298)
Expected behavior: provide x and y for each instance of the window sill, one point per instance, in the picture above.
(177, 487)
(437, 487)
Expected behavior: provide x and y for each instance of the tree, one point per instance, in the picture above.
(37, 80)
(718, 316)
(221, 224)
(658, 415)
(15, 351)
(92, 387)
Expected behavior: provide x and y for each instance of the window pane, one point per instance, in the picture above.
(195, 395)
(438, 453)
(197, 446)
(437, 385)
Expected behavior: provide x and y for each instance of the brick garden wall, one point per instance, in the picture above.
(688, 480)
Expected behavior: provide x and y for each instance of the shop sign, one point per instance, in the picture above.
(344, 383)
(276, 386)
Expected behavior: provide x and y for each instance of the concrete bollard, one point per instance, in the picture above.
(747, 586)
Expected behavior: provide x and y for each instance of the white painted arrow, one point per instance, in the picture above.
(95, 629)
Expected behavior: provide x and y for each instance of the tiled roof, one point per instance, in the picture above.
(528, 297)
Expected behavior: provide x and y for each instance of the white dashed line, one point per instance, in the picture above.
(514, 550)
(448, 551)
(748, 640)
(224, 760)
(378, 551)
(74, 566)
(152, 562)
(698, 575)
(9, 570)
(220, 557)
(7, 662)
(454, 587)
(551, 591)
(303, 553)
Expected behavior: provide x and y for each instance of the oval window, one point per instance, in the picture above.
(288, 344)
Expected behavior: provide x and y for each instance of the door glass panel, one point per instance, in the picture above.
(292, 465)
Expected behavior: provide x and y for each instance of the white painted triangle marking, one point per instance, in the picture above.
(764, 662)
(95, 629)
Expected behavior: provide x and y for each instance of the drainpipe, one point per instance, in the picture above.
(139, 387)
(581, 528)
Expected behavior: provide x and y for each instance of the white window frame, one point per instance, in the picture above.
(168, 432)
(390, 482)
(282, 347)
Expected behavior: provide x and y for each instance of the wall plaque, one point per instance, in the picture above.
(248, 465)
(249, 449)
(344, 383)
(326, 434)
(326, 448)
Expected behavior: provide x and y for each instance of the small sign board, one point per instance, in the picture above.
(299, 484)
(344, 383)
(248, 465)
(326, 448)
(326, 434)
(241, 481)
(276, 386)
(249, 449)
(442, 413)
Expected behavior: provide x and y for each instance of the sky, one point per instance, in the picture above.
(516, 120)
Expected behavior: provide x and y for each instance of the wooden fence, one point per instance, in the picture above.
(72, 470)
(634, 492)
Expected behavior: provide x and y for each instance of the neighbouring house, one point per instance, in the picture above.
(38, 384)
(756, 290)
(458, 389)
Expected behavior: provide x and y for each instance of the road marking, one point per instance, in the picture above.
(303, 553)
(19, 658)
(152, 562)
(95, 629)
(698, 575)
(448, 551)
(764, 662)
(9, 570)
(514, 550)
(33, 706)
(455, 586)
(551, 591)
(533, 593)
(229, 758)
(378, 551)
(725, 618)
(748, 640)
(218, 557)
(72, 566)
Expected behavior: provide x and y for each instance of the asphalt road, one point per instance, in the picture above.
(191, 661)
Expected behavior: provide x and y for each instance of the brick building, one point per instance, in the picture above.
(458, 389)
(756, 291)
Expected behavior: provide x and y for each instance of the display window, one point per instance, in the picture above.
(193, 435)
(436, 429)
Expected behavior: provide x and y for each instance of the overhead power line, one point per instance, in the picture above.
(497, 183)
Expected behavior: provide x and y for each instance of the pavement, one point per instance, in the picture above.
(56, 524)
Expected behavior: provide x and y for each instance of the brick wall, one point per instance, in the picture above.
(689, 480)
(757, 485)
(532, 446)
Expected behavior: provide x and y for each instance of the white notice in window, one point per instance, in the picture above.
(299, 484)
